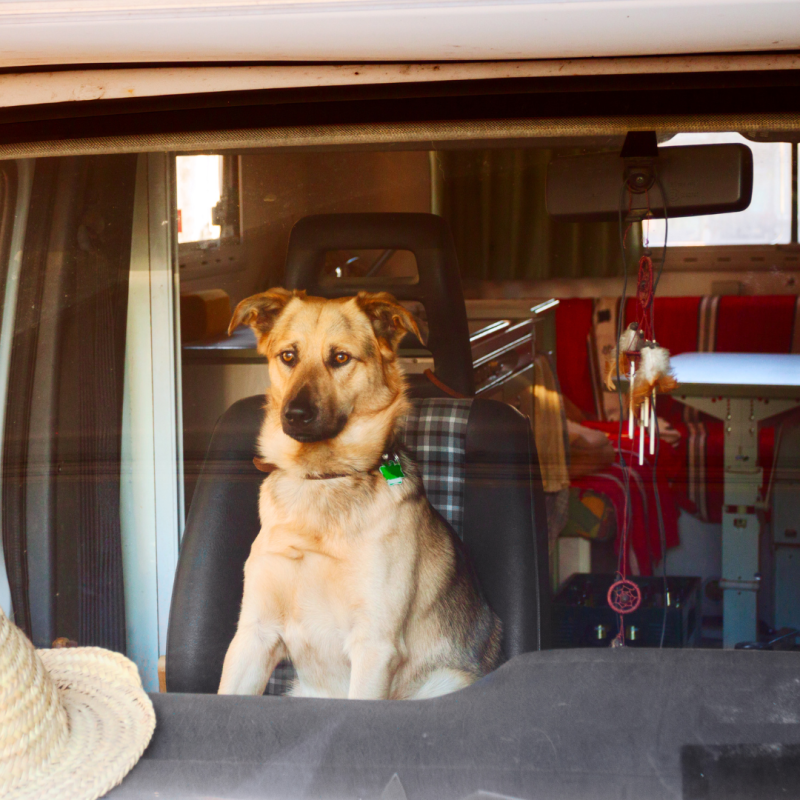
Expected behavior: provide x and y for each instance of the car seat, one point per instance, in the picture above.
(477, 456)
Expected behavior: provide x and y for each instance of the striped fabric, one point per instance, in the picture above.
(596, 371)
(697, 433)
(696, 477)
(602, 339)
(644, 546)
(436, 435)
(706, 343)
(707, 324)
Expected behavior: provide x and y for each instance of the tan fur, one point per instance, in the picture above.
(631, 339)
(644, 388)
(653, 372)
(359, 582)
(610, 369)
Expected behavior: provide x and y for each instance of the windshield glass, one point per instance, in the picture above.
(603, 410)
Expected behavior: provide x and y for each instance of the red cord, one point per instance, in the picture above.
(644, 294)
(624, 596)
(439, 384)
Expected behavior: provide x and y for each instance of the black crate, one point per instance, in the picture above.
(583, 618)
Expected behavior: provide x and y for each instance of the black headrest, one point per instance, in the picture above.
(438, 288)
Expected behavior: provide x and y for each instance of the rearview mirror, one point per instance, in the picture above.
(696, 180)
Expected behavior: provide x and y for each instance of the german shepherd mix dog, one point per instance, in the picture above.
(353, 575)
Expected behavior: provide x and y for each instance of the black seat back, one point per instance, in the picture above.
(439, 290)
(503, 528)
(503, 520)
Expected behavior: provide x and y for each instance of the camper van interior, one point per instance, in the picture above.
(632, 545)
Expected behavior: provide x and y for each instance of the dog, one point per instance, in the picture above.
(353, 575)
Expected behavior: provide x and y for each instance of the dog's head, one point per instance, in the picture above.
(333, 372)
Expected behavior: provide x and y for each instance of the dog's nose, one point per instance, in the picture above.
(300, 411)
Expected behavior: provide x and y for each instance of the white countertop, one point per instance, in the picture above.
(737, 374)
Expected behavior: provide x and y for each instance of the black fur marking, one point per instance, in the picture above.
(475, 628)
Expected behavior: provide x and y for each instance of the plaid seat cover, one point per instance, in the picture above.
(435, 432)
(436, 435)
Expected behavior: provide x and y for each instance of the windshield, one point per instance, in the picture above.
(600, 410)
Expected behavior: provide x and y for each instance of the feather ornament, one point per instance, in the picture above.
(630, 340)
(654, 372)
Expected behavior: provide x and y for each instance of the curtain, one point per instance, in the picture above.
(93, 354)
(62, 437)
(494, 201)
(21, 389)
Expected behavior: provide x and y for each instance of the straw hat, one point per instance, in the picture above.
(73, 722)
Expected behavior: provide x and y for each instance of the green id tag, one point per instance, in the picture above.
(393, 472)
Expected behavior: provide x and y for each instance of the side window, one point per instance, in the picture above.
(767, 221)
(208, 217)
(199, 188)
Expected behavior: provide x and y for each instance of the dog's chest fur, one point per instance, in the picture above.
(331, 566)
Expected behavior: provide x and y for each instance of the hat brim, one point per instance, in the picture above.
(111, 722)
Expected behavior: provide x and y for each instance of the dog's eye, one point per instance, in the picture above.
(341, 358)
(288, 357)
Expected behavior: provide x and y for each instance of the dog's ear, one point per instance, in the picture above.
(261, 310)
(389, 319)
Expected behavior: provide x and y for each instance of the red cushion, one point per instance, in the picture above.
(700, 483)
(573, 324)
(644, 528)
(699, 489)
(755, 324)
(744, 324)
(675, 320)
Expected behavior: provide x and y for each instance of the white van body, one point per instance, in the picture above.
(49, 32)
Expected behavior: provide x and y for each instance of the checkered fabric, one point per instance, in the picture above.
(282, 678)
(436, 434)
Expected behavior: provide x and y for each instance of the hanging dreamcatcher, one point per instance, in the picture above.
(645, 364)
(624, 596)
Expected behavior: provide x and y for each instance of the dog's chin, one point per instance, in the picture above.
(312, 436)
(308, 438)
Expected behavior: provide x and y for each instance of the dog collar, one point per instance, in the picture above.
(389, 467)
(265, 466)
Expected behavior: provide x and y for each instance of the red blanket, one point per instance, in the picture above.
(744, 324)
(645, 538)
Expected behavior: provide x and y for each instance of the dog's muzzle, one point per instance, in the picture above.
(303, 420)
